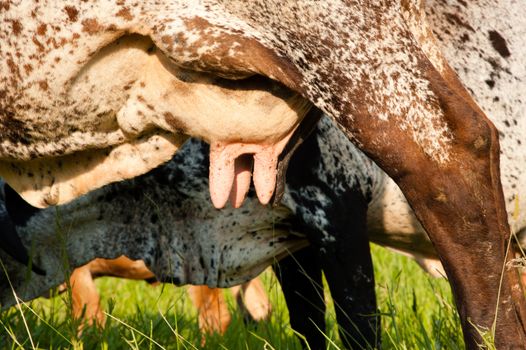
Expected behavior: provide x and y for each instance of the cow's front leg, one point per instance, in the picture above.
(449, 173)
(301, 282)
(346, 261)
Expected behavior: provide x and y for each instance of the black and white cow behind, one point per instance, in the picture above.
(166, 219)
(76, 99)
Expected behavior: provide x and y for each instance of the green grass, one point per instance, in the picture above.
(417, 313)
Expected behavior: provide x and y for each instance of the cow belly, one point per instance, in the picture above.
(127, 110)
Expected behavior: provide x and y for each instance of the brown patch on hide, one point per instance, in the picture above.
(39, 45)
(43, 85)
(13, 67)
(42, 29)
(125, 14)
(73, 13)
(16, 27)
(168, 40)
(91, 26)
(4, 5)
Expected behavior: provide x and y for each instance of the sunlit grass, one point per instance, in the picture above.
(418, 313)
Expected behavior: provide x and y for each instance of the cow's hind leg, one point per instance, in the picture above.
(85, 298)
(252, 300)
(300, 279)
(213, 310)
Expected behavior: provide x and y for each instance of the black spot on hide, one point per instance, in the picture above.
(499, 43)
(464, 38)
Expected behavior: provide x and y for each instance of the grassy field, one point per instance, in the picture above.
(417, 313)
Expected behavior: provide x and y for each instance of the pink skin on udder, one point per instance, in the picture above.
(230, 168)
(242, 177)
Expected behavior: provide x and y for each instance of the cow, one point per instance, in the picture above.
(212, 308)
(172, 227)
(71, 84)
(339, 188)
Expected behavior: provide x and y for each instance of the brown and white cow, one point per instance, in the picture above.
(374, 67)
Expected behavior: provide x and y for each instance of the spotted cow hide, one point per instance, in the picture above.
(375, 67)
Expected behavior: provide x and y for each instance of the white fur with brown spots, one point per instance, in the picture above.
(373, 66)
